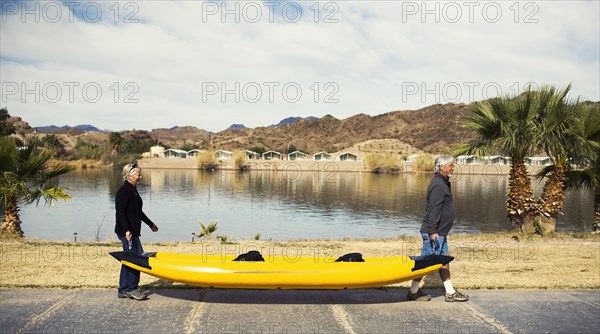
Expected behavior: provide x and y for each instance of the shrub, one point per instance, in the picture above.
(206, 160)
(424, 163)
(84, 150)
(239, 159)
(383, 162)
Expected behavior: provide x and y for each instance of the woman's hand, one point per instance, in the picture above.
(128, 235)
(154, 228)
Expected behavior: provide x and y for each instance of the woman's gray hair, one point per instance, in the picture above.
(130, 169)
(441, 161)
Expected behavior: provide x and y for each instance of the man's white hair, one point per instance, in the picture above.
(441, 161)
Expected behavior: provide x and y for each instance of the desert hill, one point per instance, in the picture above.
(180, 136)
(431, 129)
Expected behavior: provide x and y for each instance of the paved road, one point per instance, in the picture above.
(277, 311)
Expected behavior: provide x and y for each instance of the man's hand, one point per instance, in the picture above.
(154, 228)
(434, 236)
(128, 235)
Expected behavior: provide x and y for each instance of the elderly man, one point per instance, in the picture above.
(437, 223)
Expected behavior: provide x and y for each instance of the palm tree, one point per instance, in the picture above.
(116, 142)
(543, 120)
(585, 152)
(26, 176)
(560, 137)
(207, 231)
(506, 126)
(591, 133)
(587, 179)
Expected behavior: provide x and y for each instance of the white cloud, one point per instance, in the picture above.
(379, 56)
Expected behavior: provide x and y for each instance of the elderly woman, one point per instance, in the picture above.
(129, 217)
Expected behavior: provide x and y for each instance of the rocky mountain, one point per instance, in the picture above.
(291, 120)
(236, 127)
(432, 129)
(66, 128)
(19, 126)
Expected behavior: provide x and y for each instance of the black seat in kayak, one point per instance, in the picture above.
(351, 257)
(250, 256)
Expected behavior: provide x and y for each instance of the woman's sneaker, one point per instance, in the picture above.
(136, 294)
(419, 296)
(457, 297)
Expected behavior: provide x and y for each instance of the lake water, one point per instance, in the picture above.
(279, 206)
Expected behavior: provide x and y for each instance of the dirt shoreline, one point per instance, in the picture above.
(482, 261)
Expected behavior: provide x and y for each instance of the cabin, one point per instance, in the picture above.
(193, 153)
(223, 154)
(466, 159)
(347, 156)
(491, 159)
(297, 155)
(271, 155)
(175, 153)
(538, 161)
(251, 155)
(322, 156)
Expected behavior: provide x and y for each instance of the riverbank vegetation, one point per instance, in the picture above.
(239, 160)
(206, 160)
(384, 162)
(424, 163)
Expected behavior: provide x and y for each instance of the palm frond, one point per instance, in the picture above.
(582, 179)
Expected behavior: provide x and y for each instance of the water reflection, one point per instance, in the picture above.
(280, 205)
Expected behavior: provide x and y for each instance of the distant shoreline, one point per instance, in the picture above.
(331, 166)
(324, 166)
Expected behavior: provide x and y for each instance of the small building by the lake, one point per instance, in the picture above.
(322, 156)
(538, 161)
(175, 153)
(347, 156)
(466, 159)
(194, 152)
(297, 155)
(251, 155)
(223, 154)
(271, 155)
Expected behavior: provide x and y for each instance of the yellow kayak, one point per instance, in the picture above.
(268, 258)
(280, 272)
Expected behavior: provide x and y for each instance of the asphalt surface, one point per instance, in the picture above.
(297, 311)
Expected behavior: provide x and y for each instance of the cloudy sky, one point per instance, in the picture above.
(155, 64)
